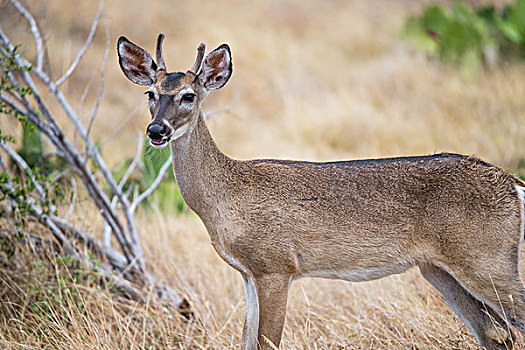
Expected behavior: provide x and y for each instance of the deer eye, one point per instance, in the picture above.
(151, 95)
(189, 97)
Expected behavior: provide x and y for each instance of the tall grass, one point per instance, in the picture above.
(312, 80)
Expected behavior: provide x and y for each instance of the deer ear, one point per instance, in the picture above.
(135, 62)
(216, 68)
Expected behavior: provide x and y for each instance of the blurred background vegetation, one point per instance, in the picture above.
(313, 80)
(316, 81)
(468, 36)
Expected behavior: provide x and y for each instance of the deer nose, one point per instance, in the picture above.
(156, 131)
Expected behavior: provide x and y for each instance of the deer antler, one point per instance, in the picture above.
(160, 58)
(198, 60)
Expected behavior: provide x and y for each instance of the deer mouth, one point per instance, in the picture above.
(160, 143)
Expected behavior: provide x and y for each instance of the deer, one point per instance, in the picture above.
(459, 219)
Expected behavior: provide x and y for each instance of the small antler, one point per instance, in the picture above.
(160, 58)
(198, 60)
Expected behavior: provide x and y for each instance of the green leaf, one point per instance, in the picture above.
(509, 30)
(462, 13)
(435, 18)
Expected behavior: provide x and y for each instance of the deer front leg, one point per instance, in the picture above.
(251, 323)
(271, 291)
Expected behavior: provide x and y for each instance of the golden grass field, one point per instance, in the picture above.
(313, 80)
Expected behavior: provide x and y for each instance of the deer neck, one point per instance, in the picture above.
(199, 167)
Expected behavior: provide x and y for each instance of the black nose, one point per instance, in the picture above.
(156, 131)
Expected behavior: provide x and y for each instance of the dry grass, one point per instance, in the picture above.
(312, 80)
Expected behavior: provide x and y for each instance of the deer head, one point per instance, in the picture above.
(174, 98)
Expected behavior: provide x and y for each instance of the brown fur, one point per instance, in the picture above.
(457, 218)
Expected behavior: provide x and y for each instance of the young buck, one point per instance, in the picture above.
(457, 218)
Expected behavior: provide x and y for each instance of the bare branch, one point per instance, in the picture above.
(60, 175)
(10, 46)
(41, 215)
(116, 258)
(132, 166)
(85, 92)
(81, 102)
(41, 125)
(130, 189)
(107, 228)
(101, 85)
(35, 30)
(73, 199)
(82, 51)
(23, 165)
(14, 105)
(43, 26)
(121, 125)
(109, 216)
(55, 135)
(95, 155)
(13, 92)
(2, 164)
(57, 233)
(46, 220)
(9, 209)
(35, 107)
(53, 154)
(75, 160)
(107, 236)
(153, 186)
(223, 109)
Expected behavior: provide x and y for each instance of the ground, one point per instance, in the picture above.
(312, 80)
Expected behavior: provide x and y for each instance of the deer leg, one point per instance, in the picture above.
(489, 329)
(506, 295)
(272, 294)
(251, 323)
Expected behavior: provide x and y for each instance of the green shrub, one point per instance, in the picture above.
(167, 196)
(468, 37)
(512, 23)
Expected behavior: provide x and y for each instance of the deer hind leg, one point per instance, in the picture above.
(505, 294)
(488, 328)
(272, 293)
